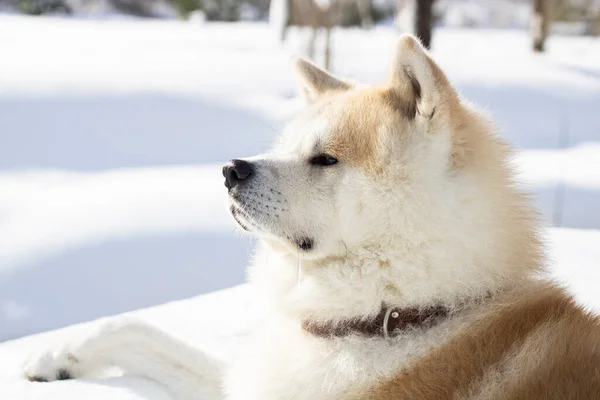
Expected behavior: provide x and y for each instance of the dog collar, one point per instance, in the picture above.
(389, 322)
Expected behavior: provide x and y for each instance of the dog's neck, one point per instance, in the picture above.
(357, 284)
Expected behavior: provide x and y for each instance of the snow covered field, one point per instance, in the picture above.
(112, 134)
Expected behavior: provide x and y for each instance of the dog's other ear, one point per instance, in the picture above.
(314, 81)
(418, 82)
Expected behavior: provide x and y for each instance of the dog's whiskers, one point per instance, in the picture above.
(270, 127)
(299, 270)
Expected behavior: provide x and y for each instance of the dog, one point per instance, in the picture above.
(397, 260)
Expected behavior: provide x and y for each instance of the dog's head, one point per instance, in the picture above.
(363, 165)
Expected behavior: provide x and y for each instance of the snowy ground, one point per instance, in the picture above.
(112, 134)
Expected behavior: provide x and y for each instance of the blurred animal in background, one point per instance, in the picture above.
(318, 15)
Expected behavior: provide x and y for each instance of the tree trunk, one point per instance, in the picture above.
(364, 13)
(424, 21)
(540, 24)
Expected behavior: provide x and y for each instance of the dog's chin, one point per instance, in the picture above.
(300, 246)
(240, 218)
(246, 220)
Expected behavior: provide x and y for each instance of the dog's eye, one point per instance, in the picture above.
(324, 160)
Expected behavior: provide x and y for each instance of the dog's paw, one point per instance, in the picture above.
(52, 366)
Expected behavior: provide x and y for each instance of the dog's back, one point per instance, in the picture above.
(531, 343)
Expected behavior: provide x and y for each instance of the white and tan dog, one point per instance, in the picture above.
(397, 261)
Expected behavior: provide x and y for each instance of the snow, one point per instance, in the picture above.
(112, 134)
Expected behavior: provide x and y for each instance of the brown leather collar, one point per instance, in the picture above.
(389, 322)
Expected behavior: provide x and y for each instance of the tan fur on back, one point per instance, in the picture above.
(532, 343)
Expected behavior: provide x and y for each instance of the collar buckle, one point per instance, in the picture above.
(389, 313)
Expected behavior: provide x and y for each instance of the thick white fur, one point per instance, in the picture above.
(401, 241)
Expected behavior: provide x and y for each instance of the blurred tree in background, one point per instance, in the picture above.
(540, 23)
(424, 21)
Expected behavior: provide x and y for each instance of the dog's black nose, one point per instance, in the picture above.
(236, 171)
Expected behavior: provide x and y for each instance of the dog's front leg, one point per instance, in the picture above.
(138, 349)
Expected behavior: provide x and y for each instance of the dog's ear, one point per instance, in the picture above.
(314, 82)
(417, 82)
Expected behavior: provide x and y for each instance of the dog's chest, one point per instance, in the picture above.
(283, 362)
